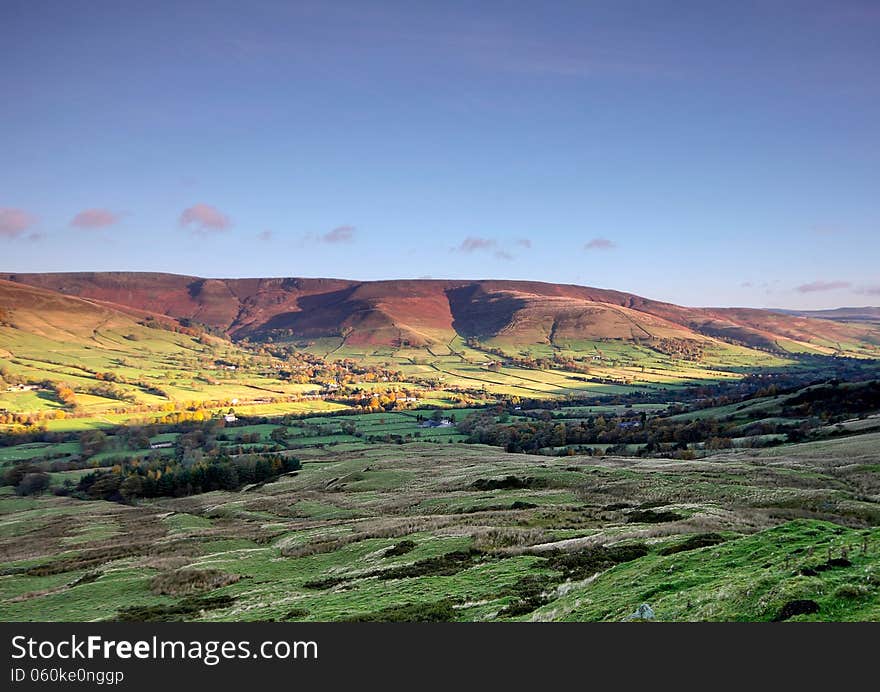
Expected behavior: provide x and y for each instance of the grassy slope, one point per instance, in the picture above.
(351, 502)
(50, 337)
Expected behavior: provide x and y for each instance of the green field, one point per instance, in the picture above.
(315, 545)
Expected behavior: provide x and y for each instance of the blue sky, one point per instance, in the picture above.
(706, 153)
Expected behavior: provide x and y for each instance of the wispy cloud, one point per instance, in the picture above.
(340, 234)
(14, 222)
(819, 286)
(203, 218)
(475, 243)
(600, 244)
(869, 290)
(95, 218)
(265, 236)
(746, 284)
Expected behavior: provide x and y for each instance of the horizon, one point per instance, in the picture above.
(703, 155)
(440, 280)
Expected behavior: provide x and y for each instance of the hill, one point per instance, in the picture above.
(434, 312)
(108, 357)
(865, 314)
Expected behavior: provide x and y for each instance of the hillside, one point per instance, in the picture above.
(110, 357)
(434, 312)
(865, 314)
(467, 533)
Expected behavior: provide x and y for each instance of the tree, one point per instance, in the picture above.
(92, 442)
(33, 484)
(132, 488)
(279, 435)
(16, 474)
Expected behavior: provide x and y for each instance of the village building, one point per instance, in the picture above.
(444, 423)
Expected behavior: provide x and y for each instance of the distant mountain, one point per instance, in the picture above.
(866, 314)
(426, 312)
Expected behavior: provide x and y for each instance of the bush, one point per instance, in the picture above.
(33, 484)
(701, 540)
(587, 562)
(798, 607)
(508, 483)
(440, 611)
(296, 614)
(530, 595)
(649, 516)
(852, 591)
(187, 608)
(441, 566)
(14, 475)
(401, 548)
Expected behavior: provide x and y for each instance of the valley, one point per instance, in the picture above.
(314, 449)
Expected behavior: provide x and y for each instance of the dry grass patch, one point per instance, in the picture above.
(185, 582)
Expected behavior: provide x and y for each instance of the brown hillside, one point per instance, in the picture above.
(423, 312)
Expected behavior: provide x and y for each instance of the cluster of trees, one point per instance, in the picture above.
(388, 400)
(833, 400)
(26, 479)
(683, 349)
(126, 483)
(184, 326)
(108, 390)
(64, 393)
(657, 434)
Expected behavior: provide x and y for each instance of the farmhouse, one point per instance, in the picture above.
(445, 423)
(161, 445)
(23, 388)
(230, 418)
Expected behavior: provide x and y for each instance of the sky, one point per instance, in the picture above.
(704, 153)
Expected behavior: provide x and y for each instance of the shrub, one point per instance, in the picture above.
(508, 483)
(187, 608)
(33, 484)
(439, 611)
(701, 540)
(852, 591)
(401, 548)
(443, 565)
(530, 595)
(649, 516)
(797, 607)
(296, 613)
(587, 562)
